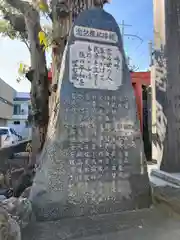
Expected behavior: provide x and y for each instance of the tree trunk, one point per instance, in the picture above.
(171, 161)
(63, 13)
(62, 23)
(61, 27)
(167, 38)
(39, 85)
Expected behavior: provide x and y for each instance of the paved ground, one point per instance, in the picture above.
(140, 225)
(165, 232)
(149, 224)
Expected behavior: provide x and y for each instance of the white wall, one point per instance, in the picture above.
(24, 110)
(23, 100)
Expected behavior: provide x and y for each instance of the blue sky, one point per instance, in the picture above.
(137, 13)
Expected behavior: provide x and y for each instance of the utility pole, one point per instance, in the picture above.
(150, 53)
(123, 34)
(123, 25)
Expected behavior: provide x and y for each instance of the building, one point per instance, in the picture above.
(21, 108)
(6, 102)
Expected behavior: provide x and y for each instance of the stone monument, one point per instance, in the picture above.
(93, 161)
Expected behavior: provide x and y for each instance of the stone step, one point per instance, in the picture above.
(158, 182)
(94, 227)
(168, 178)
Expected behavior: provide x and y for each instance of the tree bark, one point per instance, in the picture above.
(171, 101)
(166, 139)
(39, 84)
(63, 14)
(62, 23)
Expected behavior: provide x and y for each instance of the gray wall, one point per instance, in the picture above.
(6, 100)
(3, 122)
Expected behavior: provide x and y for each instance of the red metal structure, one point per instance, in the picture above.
(140, 79)
(50, 76)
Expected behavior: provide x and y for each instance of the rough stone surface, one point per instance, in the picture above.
(139, 225)
(9, 228)
(168, 196)
(7, 152)
(93, 161)
(19, 209)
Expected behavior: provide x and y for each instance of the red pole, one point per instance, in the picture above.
(139, 101)
(140, 104)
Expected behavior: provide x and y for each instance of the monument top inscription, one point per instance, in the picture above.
(94, 154)
(95, 66)
(95, 34)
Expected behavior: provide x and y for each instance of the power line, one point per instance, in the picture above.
(123, 25)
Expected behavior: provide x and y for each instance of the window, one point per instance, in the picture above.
(3, 132)
(17, 109)
(16, 122)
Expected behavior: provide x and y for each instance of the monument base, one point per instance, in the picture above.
(128, 225)
(139, 198)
